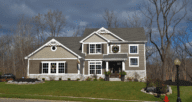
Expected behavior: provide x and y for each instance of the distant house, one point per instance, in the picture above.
(99, 50)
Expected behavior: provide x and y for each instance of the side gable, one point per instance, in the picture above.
(94, 37)
(50, 43)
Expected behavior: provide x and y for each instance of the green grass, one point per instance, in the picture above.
(96, 89)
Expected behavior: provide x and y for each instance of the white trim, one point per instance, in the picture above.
(134, 45)
(107, 49)
(119, 48)
(95, 49)
(106, 59)
(55, 48)
(134, 70)
(95, 67)
(78, 68)
(102, 28)
(107, 66)
(50, 58)
(123, 65)
(95, 42)
(49, 67)
(133, 65)
(82, 46)
(93, 34)
(48, 43)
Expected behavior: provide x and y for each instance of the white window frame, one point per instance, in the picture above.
(55, 48)
(49, 67)
(133, 65)
(95, 48)
(95, 67)
(133, 45)
(117, 45)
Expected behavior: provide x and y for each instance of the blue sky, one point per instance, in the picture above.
(77, 12)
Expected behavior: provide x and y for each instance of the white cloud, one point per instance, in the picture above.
(83, 23)
(21, 9)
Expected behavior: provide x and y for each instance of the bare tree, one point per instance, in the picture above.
(55, 22)
(162, 9)
(40, 26)
(133, 21)
(111, 19)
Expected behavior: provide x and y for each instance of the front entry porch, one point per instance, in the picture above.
(115, 67)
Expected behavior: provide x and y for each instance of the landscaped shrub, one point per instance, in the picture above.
(108, 73)
(94, 79)
(122, 73)
(69, 79)
(43, 79)
(59, 79)
(156, 83)
(88, 79)
(101, 79)
(78, 79)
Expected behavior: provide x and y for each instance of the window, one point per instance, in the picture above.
(134, 61)
(95, 67)
(133, 49)
(53, 67)
(61, 68)
(45, 67)
(53, 48)
(95, 48)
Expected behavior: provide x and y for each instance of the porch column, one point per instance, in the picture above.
(107, 65)
(78, 68)
(123, 65)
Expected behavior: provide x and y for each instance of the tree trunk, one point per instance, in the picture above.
(164, 71)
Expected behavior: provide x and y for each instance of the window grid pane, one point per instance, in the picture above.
(53, 67)
(95, 67)
(92, 48)
(133, 49)
(61, 68)
(45, 67)
(134, 61)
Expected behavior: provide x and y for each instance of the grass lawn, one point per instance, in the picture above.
(96, 89)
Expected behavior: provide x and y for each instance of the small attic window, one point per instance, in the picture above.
(53, 48)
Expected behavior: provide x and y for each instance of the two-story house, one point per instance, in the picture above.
(99, 50)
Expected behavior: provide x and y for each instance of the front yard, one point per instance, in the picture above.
(96, 89)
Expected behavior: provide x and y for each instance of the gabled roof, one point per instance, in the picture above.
(93, 34)
(70, 42)
(128, 34)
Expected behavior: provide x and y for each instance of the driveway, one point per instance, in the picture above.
(29, 100)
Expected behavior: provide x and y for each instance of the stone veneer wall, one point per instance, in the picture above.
(63, 77)
(132, 74)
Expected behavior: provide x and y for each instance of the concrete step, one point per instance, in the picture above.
(114, 79)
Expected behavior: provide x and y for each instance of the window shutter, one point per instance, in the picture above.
(87, 48)
(103, 48)
(40, 68)
(66, 67)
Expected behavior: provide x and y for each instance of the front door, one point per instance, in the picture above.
(115, 67)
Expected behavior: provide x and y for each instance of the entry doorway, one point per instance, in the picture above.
(115, 67)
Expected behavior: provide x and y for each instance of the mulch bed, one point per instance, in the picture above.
(26, 80)
(181, 83)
